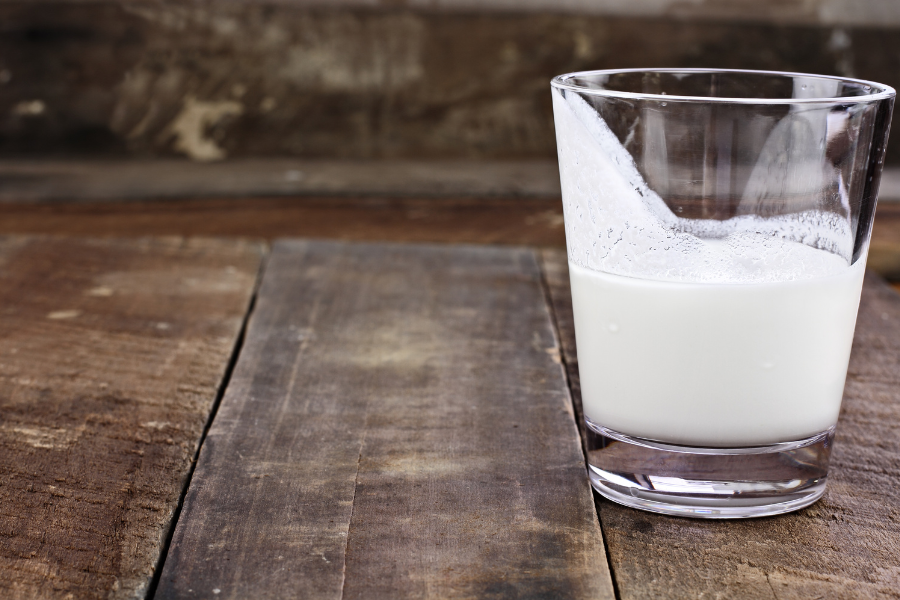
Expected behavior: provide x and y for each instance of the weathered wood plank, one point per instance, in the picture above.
(536, 222)
(884, 251)
(555, 270)
(397, 426)
(388, 79)
(847, 545)
(117, 180)
(526, 221)
(37, 181)
(111, 355)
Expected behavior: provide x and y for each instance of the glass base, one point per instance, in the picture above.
(708, 483)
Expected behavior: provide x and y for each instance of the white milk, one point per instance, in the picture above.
(709, 364)
(705, 332)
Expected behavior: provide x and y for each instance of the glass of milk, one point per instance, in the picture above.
(717, 225)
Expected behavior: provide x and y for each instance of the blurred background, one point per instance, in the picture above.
(413, 120)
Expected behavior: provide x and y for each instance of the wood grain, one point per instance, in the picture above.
(392, 79)
(537, 222)
(555, 269)
(525, 221)
(884, 250)
(397, 426)
(111, 356)
(529, 221)
(847, 545)
(118, 180)
(95, 181)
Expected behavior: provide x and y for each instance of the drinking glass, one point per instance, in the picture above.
(717, 224)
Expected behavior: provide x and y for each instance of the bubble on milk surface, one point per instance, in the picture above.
(615, 223)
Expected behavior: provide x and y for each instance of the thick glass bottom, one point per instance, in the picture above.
(708, 483)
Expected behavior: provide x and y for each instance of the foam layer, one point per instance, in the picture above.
(616, 224)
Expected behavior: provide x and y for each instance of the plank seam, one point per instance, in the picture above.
(362, 445)
(554, 320)
(220, 393)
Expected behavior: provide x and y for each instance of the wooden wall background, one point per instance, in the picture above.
(389, 79)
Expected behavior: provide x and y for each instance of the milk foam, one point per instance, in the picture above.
(616, 224)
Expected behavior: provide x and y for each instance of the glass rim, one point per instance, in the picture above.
(884, 91)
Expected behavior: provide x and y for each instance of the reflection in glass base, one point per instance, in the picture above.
(708, 483)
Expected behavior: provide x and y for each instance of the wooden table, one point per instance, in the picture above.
(202, 418)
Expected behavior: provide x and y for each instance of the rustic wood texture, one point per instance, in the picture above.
(390, 79)
(555, 270)
(111, 356)
(118, 180)
(846, 546)
(96, 180)
(531, 221)
(837, 13)
(524, 221)
(884, 251)
(398, 426)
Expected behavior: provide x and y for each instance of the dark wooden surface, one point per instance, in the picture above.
(884, 252)
(42, 180)
(393, 455)
(527, 221)
(532, 221)
(555, 269)
(111, 356)
(398, 426)
(846, 546)
(97, 180)
(388, 79)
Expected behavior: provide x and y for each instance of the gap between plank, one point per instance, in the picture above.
(548, 300)
(220, 393)
(551, 307)
(362, 445)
